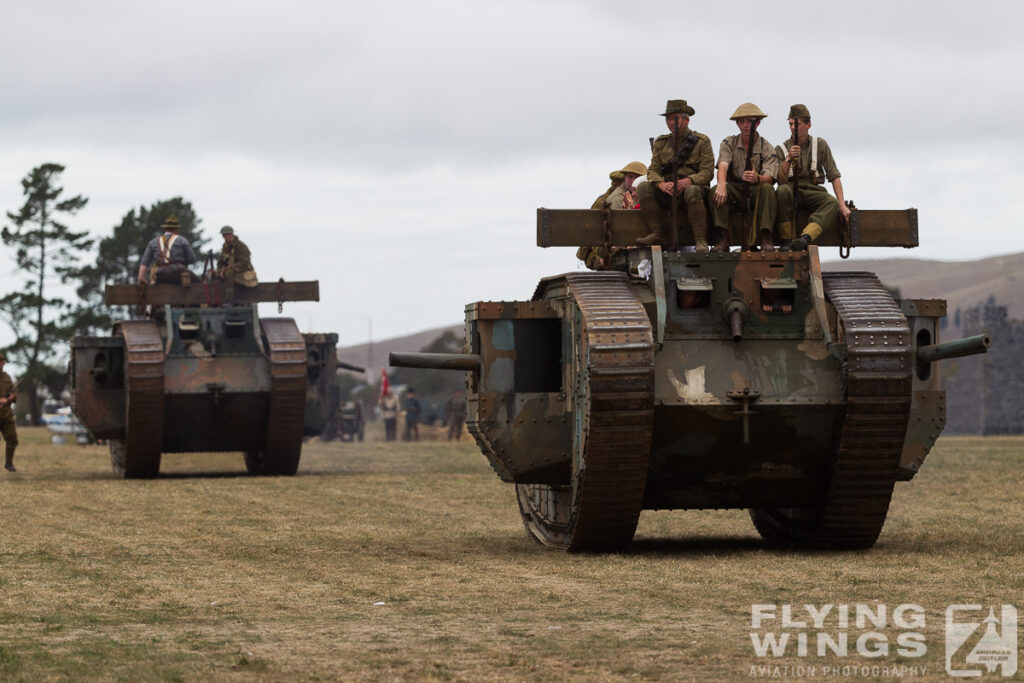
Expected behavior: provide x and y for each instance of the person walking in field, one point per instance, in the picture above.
(8, 427)
(412, 417)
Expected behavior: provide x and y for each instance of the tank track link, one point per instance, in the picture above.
(137, 456)
(879, 384)
(613, 412)
(286, 349)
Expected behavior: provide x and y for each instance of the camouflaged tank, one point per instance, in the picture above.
(680, 380)
(197, 376)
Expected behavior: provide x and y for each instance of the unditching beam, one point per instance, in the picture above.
(199, 293)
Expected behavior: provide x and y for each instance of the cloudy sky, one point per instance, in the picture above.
(397, 151)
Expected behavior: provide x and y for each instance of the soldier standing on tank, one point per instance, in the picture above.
(235, 263)
(389, 411)
(695, 164)
(621, 195)
(412, 417)
(816, 165)
(753, 185)
(8, 426)
(455, 415)
(170, 254)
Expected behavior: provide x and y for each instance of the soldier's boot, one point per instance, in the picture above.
(697, 216)
(186, 278)
(810, 233)
(724, 241)
(652, 216)
(800, 243)
(9, 461)
(766, 241)
(229, 292)
(655, 236)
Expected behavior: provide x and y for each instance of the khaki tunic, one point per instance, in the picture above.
(699, 166)
(8, 426)
(732, 152)
(6, 389)
(826, 164)
(237, 263)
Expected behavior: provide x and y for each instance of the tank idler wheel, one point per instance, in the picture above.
(134, 465)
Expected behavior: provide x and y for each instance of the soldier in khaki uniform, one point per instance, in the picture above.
(736, 184)
(455, 414)
(8, 395)
(621, 195)
(694, 168)
(169, 254)
(816, 165)
(235, 263)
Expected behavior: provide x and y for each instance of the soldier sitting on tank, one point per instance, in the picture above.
(169, 254)
(689, 154)
(815, 166)
(235, 264)
(750, 191)
(621, 195)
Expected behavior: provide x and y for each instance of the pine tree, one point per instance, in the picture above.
(44, 248)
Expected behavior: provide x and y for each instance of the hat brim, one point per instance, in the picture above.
(689, 111)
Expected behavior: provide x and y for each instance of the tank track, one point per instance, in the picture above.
(137, 456)
(613, 410)
(879, 385)
(286, 349)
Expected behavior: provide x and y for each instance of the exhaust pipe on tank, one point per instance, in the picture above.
(735, 312)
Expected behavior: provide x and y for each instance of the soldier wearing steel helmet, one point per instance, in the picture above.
(234, 266)
(8, 427)
(735, 184)
(816, 166)
(694, 168)
(620, 195)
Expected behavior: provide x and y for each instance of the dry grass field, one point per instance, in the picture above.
(408, 562)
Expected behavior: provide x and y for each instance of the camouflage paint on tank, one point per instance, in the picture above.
(516, 408)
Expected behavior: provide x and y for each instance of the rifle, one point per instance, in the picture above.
(675, 179)
(794, 165)
(748, 194)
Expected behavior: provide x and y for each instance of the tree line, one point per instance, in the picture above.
(53, 260)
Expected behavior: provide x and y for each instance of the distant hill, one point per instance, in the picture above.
(361, 355)
(961, 283)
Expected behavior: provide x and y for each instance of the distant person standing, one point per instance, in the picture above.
(8, 427)
(169, 254)
(389, 411)
(412, 417)
(455, 415)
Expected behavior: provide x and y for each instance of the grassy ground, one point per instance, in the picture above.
(228, 577)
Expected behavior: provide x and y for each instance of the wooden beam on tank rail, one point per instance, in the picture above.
(585, 227)
(197, 293)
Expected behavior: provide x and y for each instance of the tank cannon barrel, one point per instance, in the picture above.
(348, 366)
(968, 346)
(435, 361)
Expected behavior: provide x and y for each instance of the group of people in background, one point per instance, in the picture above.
(748, 169)
(454, 415)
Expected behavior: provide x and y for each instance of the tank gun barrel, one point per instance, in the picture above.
(348, 366)
(968, 346)
(435, 361)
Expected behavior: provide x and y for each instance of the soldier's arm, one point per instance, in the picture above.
(770, 165)
(706, 163)
(190, 254)
(654, 168)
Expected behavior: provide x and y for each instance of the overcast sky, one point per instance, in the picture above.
(397, 151)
